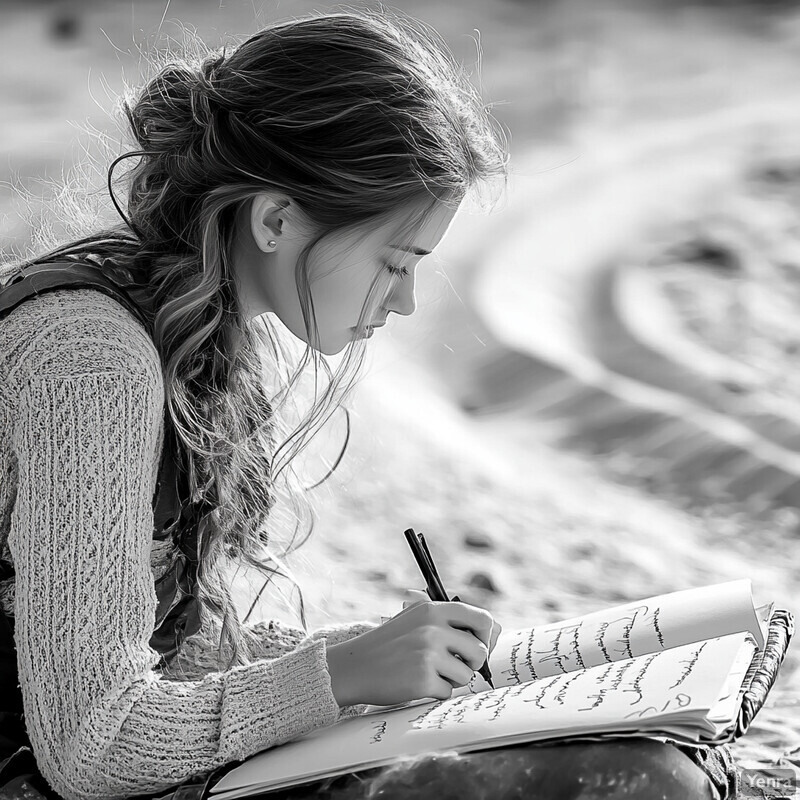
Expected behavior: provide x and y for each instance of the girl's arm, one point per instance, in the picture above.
(198, 654)
(333, 634)
(87, 437)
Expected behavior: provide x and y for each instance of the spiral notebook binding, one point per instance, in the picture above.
(763, 670)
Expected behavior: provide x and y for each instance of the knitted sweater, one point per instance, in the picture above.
(81, 431)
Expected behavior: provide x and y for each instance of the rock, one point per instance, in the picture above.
(482, 580)
(478, 541)
(583, 551)
(734, 387)
(65, 25)
(708, 252)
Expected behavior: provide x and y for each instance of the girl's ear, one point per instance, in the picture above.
(268, 218)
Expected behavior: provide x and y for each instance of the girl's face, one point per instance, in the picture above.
(345, 271)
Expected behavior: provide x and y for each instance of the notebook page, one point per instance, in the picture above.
(637, 628)
(730, 700)
(763, 615)
(683, 683)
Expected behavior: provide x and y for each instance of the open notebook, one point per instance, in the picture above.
(675, 666)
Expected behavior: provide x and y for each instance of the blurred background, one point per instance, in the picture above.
(596, 399)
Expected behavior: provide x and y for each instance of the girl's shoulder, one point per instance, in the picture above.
(73, 332)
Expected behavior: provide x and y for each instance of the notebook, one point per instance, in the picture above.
(688, 667)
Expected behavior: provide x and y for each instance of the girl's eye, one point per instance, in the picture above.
(401, 271)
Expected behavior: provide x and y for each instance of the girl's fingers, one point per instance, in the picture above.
(473, 618)
(455, 671)
(467, 646)
(497, 629)
(418, 597)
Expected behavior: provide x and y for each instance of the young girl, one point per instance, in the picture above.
(304, 174)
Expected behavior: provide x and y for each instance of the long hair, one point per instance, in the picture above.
(354, 115)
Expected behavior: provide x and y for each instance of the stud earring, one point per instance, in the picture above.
(271, 243)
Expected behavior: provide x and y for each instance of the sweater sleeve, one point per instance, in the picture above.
(102, 722)
(336, 634)
(273, 637)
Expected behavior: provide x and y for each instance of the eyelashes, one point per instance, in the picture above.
(395, 270)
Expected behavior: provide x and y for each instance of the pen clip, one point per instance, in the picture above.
(437, 581)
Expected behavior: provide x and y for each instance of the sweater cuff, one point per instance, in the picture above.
(336, 634)
(271, 702)
(352, 711)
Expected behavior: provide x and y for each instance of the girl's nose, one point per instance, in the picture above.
(402, 299)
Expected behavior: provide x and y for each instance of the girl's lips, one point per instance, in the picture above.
(368, 330)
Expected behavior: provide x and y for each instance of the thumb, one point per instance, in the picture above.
(497, 629)
(418, 596)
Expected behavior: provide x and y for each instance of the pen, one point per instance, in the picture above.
(436, 591)
(423, 564)
(440, 592)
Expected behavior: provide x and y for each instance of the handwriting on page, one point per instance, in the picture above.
(557, 650)
(378, 729)
(689, 665)
(631, 689)
(633, 629)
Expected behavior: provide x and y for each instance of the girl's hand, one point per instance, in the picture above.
(422, 597)
(424, 651)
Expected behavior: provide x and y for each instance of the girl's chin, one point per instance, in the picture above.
(332, 348)
(364, 333)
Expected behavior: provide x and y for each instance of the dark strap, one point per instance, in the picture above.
(12, 731)
(110, 279)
